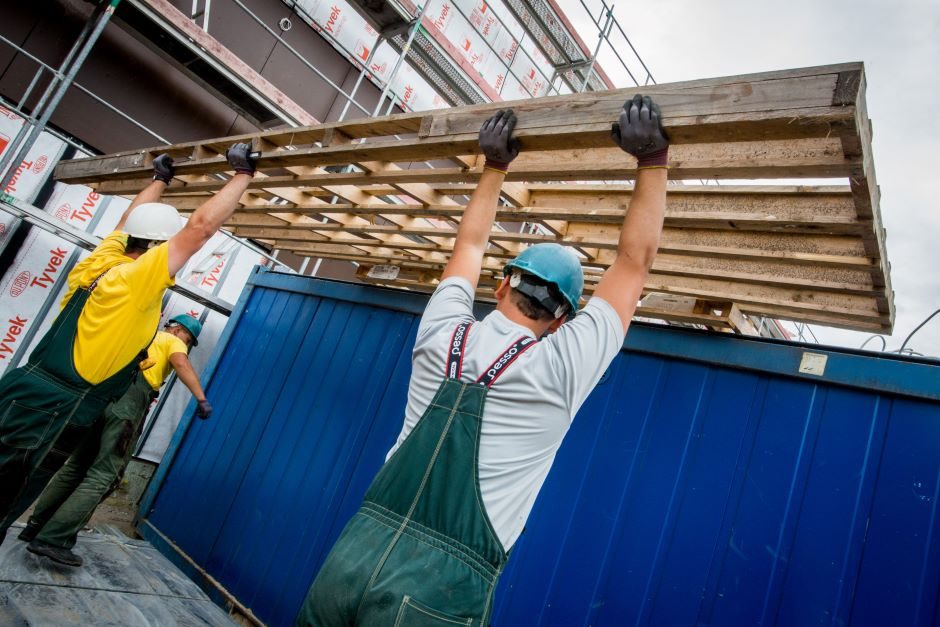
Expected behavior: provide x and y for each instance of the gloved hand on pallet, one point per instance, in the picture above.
(242, 160)
(497, 142)
(639, 131)
(163, 168)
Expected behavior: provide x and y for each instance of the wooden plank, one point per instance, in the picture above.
(784, 293)
(777, 273)
(856, 144)
(422, 149)
(607, 207)
(792, 106)
(805, 158)
(726, 220)
(752, 303)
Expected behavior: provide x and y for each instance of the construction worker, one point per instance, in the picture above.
(90, 355)
(95, 468)
(489, 403)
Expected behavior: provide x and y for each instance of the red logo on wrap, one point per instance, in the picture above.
(362, 51)
(441, 20)
(8, 340)
(63, 211)
(335, 12)
(40, 164)
(20, 283)
(3, 228)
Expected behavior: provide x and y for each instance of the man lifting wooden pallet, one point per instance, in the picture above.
(489, 404)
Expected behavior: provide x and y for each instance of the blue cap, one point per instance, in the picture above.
(190, 324)
(555, 264)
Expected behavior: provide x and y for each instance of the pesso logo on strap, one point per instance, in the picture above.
(499, 366)
(455, 356)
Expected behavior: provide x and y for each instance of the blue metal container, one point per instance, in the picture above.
(706, 481)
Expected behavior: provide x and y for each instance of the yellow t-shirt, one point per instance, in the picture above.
(121, 315)
(164, 345)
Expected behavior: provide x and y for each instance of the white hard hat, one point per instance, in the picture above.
(153, 220)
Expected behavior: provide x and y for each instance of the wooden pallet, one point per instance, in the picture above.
(359, 191)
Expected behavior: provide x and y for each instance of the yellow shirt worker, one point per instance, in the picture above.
(95, 468)
(158, 357)
(125, 303)
(90, 355)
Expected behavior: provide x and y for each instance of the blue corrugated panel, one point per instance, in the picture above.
(688, 491)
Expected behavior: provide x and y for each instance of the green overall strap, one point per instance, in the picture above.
(54, 354)
(421, 550)
(431, 484)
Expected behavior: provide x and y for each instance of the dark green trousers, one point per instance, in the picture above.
(45, 410)
(421, 551)
(93, 470)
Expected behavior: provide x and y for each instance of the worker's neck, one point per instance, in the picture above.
(508, 309)
(133, 255)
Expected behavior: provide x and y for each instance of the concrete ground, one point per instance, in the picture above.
(123, 582)
(119, 509)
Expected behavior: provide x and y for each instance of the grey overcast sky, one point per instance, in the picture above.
(898, 41)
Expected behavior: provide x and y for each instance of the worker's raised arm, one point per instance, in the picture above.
(162, 175)
(186, 374)
(640, 133)
(212, 214)
(473, 234)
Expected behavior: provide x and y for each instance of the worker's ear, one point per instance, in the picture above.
(556, 324)
(502, 290)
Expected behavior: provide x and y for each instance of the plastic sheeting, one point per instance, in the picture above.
(123, 582)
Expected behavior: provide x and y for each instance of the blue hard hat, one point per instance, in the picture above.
(190, 324)
(553, 264)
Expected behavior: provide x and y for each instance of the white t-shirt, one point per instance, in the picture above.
(529, 407)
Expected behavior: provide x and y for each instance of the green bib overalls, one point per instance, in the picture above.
(421, 550)
(38, 400)
(94, 469)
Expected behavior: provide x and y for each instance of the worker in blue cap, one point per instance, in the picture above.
(96, 467)
(489, 403)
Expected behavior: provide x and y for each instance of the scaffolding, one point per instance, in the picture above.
(574, 70)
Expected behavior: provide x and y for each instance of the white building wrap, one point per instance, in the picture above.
(30, 173)
(483, 35)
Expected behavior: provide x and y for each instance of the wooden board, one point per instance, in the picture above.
(364, 191)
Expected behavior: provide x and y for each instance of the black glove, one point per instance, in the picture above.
(497, 142)
(640, 132)
(163, 168)
(203, 409)
(239, 157)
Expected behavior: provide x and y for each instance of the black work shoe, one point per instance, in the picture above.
(29, 532)
(55, 553)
